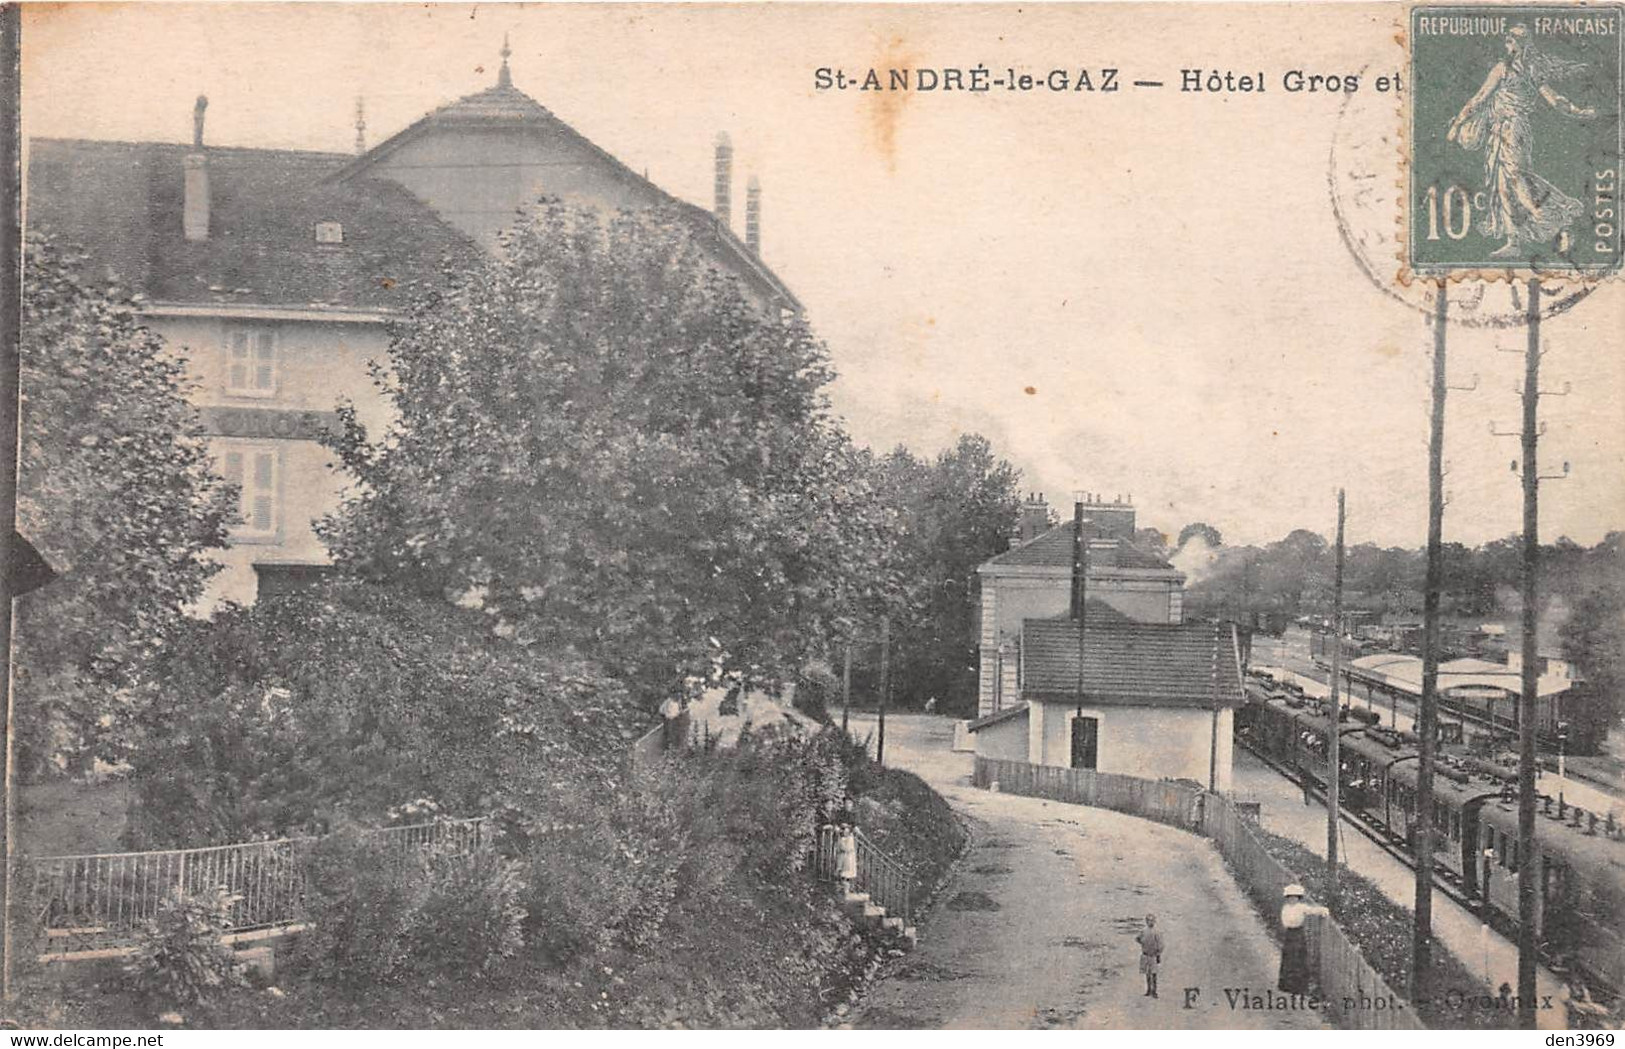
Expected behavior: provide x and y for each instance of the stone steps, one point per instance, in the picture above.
(863, 908)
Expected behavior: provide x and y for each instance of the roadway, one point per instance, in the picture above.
(1035, 927)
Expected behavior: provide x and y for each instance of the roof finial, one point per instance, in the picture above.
(360, 125)
(504, 78)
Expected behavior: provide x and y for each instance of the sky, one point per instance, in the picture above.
(1142, 292)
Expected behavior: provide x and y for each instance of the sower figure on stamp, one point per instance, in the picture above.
(1294, 945)
(1524, 208)
(1150, 941)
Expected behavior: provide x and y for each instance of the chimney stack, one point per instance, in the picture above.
(195, 205)
(1034, 520)
(753, 216)
(360, 125)
(723, 205)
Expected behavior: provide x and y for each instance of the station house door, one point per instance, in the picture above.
(1085, 742)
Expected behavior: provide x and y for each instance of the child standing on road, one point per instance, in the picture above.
(1150, 954)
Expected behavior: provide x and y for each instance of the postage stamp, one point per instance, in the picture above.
(1515, 141)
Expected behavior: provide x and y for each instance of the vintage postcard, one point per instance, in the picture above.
(1100, 516)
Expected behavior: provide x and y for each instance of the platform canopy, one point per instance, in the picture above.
(1461, 677)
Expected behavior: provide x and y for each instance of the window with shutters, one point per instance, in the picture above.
(255, 469)
(251, 362)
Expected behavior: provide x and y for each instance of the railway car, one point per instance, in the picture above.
(1311, 745)
(1458, 798)
(1273, 729)
(1368, 760)
(1580, 885)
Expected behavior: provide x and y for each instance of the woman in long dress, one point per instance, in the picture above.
(1294, 945)
(1524, 208)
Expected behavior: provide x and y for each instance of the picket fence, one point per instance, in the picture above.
(91, 904)
(1358, 998)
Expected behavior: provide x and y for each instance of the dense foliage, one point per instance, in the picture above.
(954, 512)
(179, 958)
(606, 444)
(378, 911)
(116, 489)
(352, 699)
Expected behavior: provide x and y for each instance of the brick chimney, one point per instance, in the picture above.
(1114, 517)
(195, 205)
(723, 204)
(1034, 520)
(753, 216)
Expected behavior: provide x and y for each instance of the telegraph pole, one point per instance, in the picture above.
(1427, 714)
(1531, 675)
(846, 687)
(885, 685)
(1080, 594)
(10, 431)
(1334, 775)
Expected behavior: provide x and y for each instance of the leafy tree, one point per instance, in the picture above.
(1593, 637)
(1210, 535)
(603, 443)
(957, 511)
(116, 489)
(1153, 541)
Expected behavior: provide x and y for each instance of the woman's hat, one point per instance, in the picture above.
(1292, 890)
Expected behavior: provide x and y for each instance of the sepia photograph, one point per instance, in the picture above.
(813, 516)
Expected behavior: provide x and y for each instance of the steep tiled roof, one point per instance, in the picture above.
(505, 106)
(1053, 549)
(1136, 664)
(121, 202)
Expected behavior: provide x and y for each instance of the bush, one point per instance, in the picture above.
(180, 958)
(606, 871)
(378, 910)
(349, 697)
(471, 918)
(365, 901)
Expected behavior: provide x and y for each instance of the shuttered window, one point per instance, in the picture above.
(254, 471)
(251, 362)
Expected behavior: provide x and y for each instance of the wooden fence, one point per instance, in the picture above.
(1358, 998)
(1162, 800)
(94, 903)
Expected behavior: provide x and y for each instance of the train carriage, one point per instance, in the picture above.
(1458, 798)
(1311, 744)
(1368, 760)
(1579, 880)
(1272, 729)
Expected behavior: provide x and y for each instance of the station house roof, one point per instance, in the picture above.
(1127, 663)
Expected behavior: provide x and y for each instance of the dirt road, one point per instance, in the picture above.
(1037, 927)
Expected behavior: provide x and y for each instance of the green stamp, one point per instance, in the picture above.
(1515, 140)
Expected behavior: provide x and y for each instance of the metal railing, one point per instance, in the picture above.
(94, 902)
(888, 882)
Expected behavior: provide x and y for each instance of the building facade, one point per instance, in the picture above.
(1034, 580)
(275, 273)
(1154, 700)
